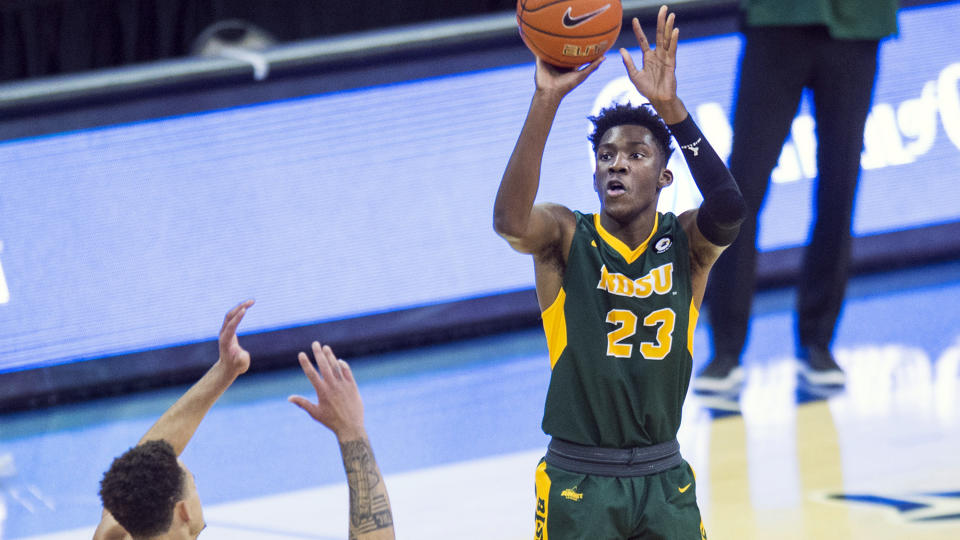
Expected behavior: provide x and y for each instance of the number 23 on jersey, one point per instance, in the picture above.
(626, 321)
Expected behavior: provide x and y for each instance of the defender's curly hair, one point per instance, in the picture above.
(142, 487)
(627, 114)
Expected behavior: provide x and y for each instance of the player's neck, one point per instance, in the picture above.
(174, 533)
(170, 535)
(632, 231)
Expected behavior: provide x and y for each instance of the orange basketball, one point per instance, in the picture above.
(569, 33)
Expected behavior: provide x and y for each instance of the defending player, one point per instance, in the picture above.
(149, 493)
(620, 292)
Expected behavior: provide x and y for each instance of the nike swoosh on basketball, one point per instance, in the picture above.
(571, 22)
(684, 488)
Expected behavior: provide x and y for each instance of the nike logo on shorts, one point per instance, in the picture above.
(684, 488)
(571, 22)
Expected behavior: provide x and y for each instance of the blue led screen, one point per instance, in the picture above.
(140, 236)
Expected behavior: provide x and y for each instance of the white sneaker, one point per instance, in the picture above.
(720, 379)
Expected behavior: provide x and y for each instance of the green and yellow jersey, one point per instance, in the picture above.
(620, 337)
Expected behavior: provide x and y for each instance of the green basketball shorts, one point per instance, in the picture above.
(585, 506)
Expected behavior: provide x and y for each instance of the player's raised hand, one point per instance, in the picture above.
(560, 81)
(338, 405)
(232, 355)
(656, 78)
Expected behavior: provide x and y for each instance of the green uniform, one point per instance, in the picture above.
(620, 338)
(573, 506)
(845, 19)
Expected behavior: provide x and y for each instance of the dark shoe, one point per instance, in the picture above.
(819, 368)
(720, 376)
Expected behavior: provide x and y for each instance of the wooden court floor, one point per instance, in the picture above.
(455, 428)
(862, 465)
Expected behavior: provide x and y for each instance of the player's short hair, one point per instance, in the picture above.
(628, 114)
(142, 487)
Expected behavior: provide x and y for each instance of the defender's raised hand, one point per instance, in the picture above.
(338, 405)
(656, 78)
(179, 423)
(234, 357)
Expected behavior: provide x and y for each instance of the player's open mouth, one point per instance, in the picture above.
(615, 188)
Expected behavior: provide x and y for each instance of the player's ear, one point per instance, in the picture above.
(182, 512)
(596, 187)
(666, 178)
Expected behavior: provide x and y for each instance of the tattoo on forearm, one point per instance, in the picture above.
(369, 509)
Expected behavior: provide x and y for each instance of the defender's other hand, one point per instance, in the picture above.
(232, 355)
(338, 405)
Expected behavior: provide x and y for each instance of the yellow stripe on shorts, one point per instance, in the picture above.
(543, 501)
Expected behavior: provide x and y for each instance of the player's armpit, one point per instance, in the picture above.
(548, 229)
(703, 252)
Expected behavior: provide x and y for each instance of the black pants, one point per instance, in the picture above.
(776, 65)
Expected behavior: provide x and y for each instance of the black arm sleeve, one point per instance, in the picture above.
(723, 208)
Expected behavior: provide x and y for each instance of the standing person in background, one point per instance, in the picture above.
(831, 48)
(149, 493)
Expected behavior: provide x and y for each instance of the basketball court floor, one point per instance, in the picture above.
(455, 428)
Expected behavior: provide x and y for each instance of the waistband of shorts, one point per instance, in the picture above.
(600, 461)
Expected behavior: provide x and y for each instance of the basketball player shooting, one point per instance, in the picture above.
(619, 292)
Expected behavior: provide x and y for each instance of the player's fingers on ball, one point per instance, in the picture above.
(591, 67)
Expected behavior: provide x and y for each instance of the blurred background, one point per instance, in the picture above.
(337, 162)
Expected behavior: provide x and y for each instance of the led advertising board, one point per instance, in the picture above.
(140, 236)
